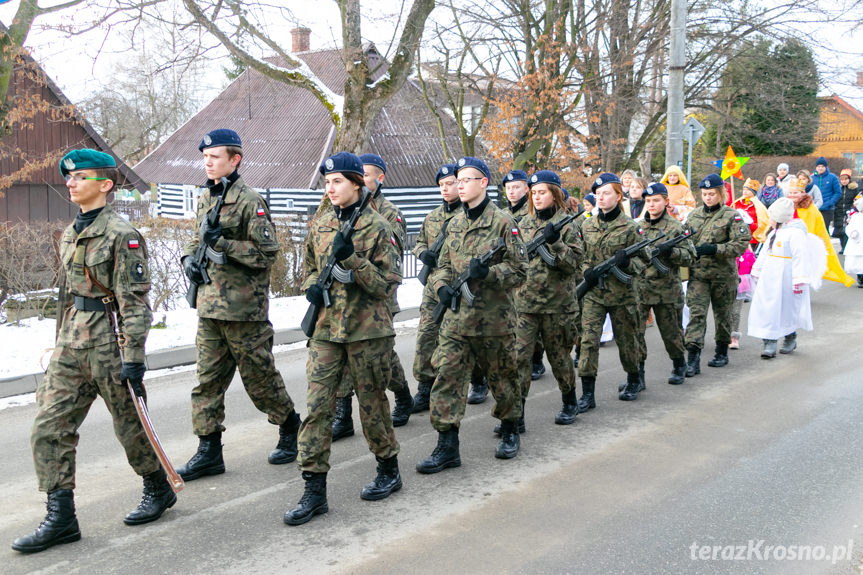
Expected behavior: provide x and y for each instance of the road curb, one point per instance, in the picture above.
(173, 357)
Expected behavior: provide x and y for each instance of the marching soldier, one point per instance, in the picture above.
(234, 331)
(355, 334)
(663, 292)
(607, 235)
(374, 173)
(545, 303)
(720, 235)
(103, 268)
(484, 331)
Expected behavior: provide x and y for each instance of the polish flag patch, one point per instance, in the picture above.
(399, 218)
(133, 244)
(515, 231)
(261, 211)
(393, 240)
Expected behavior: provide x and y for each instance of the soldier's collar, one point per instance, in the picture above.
(710, 210)
(474, 213)
(344, 214)
(547, 213)
(518, 205)
(611, 215)
(649, 220)
(216, 187)
(449, 208)
(97, 228)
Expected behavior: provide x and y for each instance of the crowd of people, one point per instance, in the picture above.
(546, 274)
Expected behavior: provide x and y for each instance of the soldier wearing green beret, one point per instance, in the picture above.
(234, 331)
(103, 267)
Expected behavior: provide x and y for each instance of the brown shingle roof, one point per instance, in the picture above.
(286, 132)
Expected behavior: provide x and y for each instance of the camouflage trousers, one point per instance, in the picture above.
(496, 356)
(700, 294)
(669, 320)
(427, 339)
(395, 383)
(557, 333)
(223, 348)
(368, 363)
(624, 322)
(64, 396)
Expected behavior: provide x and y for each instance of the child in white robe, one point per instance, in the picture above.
(854, 248)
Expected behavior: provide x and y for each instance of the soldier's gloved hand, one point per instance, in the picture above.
(315, 294)
(550, 234)
(445, 295)
(212, 235)
(706, 250)
(342, 247)
(428, 259)
(477, 269)
(591, 278)
(621, 259)
(664, 250)
(134, 374)
(192, 270)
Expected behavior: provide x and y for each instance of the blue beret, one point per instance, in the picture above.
(444, 171)
(86, 159)
(712, 181)
(471, 162)
(515, 176)
(220, 137)
(344, 162)
(606, 178)
(655, 189)
(544, 177)
(590, 198)
(374, 160)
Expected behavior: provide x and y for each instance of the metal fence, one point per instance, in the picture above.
(411, 266)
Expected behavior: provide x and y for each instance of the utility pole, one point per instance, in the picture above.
(674, 116)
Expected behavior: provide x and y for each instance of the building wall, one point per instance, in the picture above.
(840, 134)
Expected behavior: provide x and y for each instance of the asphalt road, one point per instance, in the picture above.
(740, 470)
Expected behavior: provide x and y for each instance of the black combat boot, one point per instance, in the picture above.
(343, 422)
(445, 454)
(633, 386)
(386, 483)
(314, 499)
(157, 497)
(404, 406)
(509, 441)
(678, 372)
(768, 348)
(720, 359)
(478, 391)
(59, 526)
(537, 370)
(641, 385)
(693, 364)
(569, 410)
(587, 401)
(789, 344)
(286, 449)
(207, 460)
(521, 426)
(421, 399)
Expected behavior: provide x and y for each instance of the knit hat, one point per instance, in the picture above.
(781, 211)
(822, 161)
(782, 166)
(753, 185)
(591, 198)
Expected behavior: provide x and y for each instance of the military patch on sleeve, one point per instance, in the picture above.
(742, 229)
(138, 271)
(261, 212)
(515, 231)
(641, 231)
(134, 244)
(393, 240)
(738, 218)
(521, 250)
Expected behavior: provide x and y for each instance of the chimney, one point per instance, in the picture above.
(300, 39)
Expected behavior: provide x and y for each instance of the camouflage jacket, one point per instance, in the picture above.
(602, 239)
(520, 209)
(725, 228)
(240, 288)
(550, 290)
(398, 228)
(493, 312)
(655, 288)
(359, 310)
(115, 255)
(429, 232)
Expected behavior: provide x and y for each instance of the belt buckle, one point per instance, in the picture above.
(107, 300)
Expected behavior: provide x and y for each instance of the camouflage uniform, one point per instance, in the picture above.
(602, 239)
(713, 279)
(86, 361)
(519, 209)
(484, 332)
(398, 227)
(355, 335)
(546, 303)
(234, 331)
(664, 294)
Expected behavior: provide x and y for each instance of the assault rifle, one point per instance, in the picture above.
(654, 254)
(333, 271)
(537, 244)
(606, 267)
(460, 285)
(435, 248)
(205, 253)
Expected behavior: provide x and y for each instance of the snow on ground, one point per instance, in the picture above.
(27, 348)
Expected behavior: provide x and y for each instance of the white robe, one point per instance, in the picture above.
(854, 248)
(776, 310)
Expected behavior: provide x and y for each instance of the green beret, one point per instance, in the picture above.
(85, 159)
